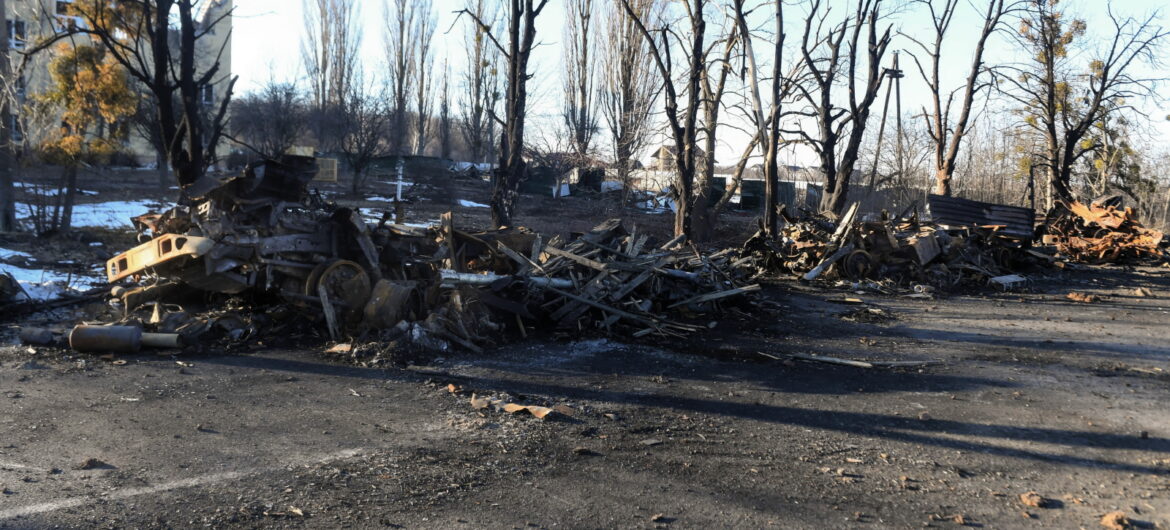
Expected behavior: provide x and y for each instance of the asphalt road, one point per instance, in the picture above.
(1034, 393)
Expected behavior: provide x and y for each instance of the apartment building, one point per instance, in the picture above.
(29, 21)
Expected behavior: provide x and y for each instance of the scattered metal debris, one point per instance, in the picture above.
(1102, 233)
(261, 237)
(127, 339)
(902, 249)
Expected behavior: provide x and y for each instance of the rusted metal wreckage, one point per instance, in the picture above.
(965, 241)
(261, 233)
(1101, 232)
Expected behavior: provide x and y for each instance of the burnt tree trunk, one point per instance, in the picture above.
(682, 130)
(70, 197)
(7, 189)
(163, 169)
(839, 174)
(767, 126)
(512, 167)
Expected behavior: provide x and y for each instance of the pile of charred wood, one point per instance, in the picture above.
(260, 237)
(1101, 232)
(901, 249)
(608, 279)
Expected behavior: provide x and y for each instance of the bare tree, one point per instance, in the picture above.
(402, 43)
(631, 82)
(1062, 102)
(512, 168)
(445, 113)
(480, 82)
(580, 111)
(947, 136)
(682, 123)
(424, 64)
(329, 49)
(329, 52)
(145, 124)
(703, 223)
(767, 124)
(156, 41)
(366, 118)
(270, 120)
(832, 60)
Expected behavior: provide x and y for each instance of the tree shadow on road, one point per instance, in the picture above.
(572, 382)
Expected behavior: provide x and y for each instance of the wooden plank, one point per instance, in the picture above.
(638, 280)
(832, 360)
(520, 259)
(537, 249)
(636, 249)
(327, 309)
(670, 244)
(457, 340)
(845, 225)
(630, 240)
(491, 299)
(593, 287)
(575, 258)
(629, 316)
(904, 364)
(613, 251)
(603, 231)
(448, 230)
(820, 268)
(717, 296)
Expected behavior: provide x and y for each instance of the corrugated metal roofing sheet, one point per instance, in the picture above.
(953, 211)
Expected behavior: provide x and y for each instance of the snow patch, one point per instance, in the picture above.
(48, 191)
(470, 204)
(375, 219)
(41, 284)
(654, 206)
(113, 214)
(6, 254)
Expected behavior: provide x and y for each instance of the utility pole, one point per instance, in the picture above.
(893, 73)
(896, 74)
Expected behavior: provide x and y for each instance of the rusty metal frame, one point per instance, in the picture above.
(160, 250)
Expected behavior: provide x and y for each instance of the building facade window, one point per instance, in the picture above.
(65, 18)
(15, 128)
(16, 34)
(207, 95)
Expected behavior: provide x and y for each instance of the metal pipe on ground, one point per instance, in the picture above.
(451, 278)
(118, 339)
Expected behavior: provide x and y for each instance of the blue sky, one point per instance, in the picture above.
(267, 44)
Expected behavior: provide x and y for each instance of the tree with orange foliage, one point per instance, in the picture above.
(91, 98)
(1062, 95)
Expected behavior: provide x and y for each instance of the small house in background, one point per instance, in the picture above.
(665, 158)
(556, 173)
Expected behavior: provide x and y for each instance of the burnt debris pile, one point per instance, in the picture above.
(964, 243)
(255, 258)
